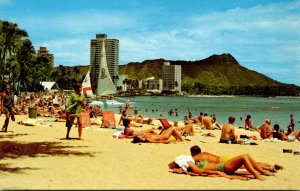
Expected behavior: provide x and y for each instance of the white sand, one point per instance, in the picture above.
(109, 163)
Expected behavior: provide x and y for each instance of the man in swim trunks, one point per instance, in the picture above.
(228, 132)
(292, 122)
(248, 123)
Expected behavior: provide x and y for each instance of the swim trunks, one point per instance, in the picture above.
(233, 141)
(220, 167)
(225, 158)
(291, 138)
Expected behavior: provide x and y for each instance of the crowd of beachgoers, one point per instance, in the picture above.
(198, 163)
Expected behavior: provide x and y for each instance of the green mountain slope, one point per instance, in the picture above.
(217, 70)
(217, 74)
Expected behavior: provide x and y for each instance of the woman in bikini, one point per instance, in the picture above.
(155, 138)
(229, 167)
(130, 133)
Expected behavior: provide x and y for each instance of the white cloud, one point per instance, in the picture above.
(257, 37)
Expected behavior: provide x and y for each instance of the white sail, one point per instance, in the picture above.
(105, 83)
(87, 87)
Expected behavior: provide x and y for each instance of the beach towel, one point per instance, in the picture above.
(165, 123)
(30, 122)
(108, 119)
(182, 161)
(119, 135)
(86, 120)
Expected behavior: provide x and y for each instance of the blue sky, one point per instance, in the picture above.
(262, 35)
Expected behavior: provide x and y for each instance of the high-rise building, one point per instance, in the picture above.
(43, 52)
(171, 77)
(112, 57)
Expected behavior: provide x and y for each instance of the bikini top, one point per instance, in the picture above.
(201, 164)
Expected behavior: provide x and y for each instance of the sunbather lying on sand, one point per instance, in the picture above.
(155, 138)
(281, 136)
(188, 129)
(130, 133)
(205, 156)
(223, 169)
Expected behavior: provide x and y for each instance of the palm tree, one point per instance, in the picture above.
(26, 57)
(11, 37)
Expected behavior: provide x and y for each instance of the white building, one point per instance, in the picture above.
(151, 84)
(171, 77)
(120, 82)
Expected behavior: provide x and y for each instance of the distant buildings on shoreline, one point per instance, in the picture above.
(171, 74)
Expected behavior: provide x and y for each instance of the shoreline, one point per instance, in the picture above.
(100, 161)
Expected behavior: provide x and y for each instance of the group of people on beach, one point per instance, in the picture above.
(276, 132)
(199, 163)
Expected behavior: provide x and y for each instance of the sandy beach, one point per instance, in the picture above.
(100, 161)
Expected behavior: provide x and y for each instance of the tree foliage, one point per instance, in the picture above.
(20, 66)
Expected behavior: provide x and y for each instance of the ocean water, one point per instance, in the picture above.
(278, 109)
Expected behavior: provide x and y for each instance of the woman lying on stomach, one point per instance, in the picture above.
(224, 169)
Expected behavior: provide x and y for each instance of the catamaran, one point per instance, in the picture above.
(105, 89)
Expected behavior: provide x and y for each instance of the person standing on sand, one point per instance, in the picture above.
(127, 106)
(264, 131)
(292, 122)
(228, 133)
(74, 108)
(7, 100)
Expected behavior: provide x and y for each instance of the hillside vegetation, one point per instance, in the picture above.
(217, 74)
